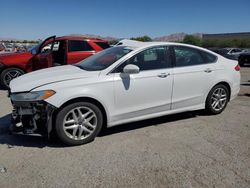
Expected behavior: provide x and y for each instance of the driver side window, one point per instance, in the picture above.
(149, 59)
(47, 47)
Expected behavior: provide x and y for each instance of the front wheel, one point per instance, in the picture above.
(9, 74)
(79, 123)
(217, 99)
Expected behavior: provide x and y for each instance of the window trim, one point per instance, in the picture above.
(171, 60)
(199, 50)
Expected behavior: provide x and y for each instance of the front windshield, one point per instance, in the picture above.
(103, 59)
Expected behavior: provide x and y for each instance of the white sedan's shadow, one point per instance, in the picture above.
(160, 121)
(39, 142)
(2, 89)
(19, 140)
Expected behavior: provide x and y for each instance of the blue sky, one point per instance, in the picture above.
(33, 19)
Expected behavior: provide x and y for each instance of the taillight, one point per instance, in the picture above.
(237, 67)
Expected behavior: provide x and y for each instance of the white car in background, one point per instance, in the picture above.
(119, 85)
(128, 42)
(234, 51)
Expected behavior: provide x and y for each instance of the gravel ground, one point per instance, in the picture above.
(184, 150)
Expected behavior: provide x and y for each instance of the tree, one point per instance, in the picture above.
(142, 39)
(112, 42)
(190, 39)
(222, 43)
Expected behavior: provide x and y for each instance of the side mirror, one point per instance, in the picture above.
(131, 69)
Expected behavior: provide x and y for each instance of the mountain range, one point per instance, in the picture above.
(176, 37)
(171, 38)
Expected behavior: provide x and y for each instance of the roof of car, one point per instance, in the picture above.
(233, 48)
(137, 44)
(78, 37)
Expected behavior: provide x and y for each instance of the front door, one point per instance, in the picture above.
(43, 59)
(148, 91)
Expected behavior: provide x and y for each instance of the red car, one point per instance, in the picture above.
(51, 52)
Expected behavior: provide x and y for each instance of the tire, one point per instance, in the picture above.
(9, 74)
(74, 125)
(219, 95)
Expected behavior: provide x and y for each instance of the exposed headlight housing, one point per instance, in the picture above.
(32, 96)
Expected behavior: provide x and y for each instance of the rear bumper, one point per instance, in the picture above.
(235, 87)
(32, 117)
(234, 93)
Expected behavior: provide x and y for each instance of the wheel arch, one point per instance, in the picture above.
(12, 66)
(83, 99)
(4, 68)
(226, 84)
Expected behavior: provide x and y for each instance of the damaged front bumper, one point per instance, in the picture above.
(32, 117)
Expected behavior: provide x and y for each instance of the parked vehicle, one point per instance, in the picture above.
(241, 55)
(127, 42)
(51, 52)
(226, 52)
(2, 47)
(244, 58)
(120, 85)
(234, 51)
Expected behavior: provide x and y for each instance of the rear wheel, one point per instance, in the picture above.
(9, 74)
(217, 99)
(79, 123)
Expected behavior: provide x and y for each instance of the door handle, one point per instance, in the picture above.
(163, 75)
(208, 70)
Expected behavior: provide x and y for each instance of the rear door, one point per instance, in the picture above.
(78, 50)
(193, 75)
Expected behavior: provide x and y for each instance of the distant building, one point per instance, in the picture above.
(243, 35)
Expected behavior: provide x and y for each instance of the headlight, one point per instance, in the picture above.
(32, 96)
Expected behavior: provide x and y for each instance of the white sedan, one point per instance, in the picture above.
(119, 85)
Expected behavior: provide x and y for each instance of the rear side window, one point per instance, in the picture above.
(185, 56)
(79, 45)
(208, 58)
(103, 45)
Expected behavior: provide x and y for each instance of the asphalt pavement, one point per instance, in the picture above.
(184, 150)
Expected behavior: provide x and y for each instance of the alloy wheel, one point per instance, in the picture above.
(219, 99)
(10, 75)
(80, 123)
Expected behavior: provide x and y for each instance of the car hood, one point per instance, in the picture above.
(9, 56)
(43, 77)
(15, 58)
